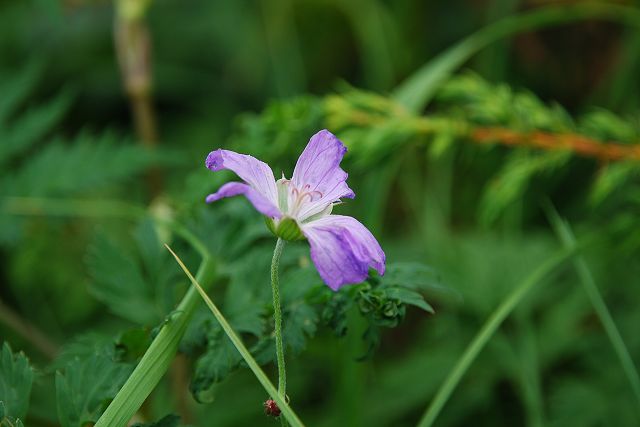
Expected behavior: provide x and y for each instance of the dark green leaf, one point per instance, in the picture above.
(15, 89)
(87, 386)
(170, 420)
(300, 324)
(132, 344)
(410, 297)
(334, 313)
(16, 378)
(219, 360)
(31, 126)
(87, 163)
(135, 287)
(411, 275)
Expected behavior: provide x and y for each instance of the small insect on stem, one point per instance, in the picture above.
(271, 408)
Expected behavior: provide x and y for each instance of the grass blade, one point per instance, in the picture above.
(156, 360)
(565, 234)
(416, 92)
(485, 333)
(288, 413)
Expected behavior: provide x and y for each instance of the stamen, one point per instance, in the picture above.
(299, 197)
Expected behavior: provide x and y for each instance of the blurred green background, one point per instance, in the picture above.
(470, 144)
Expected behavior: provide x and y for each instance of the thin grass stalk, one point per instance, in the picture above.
(565, 235)
(486, 332)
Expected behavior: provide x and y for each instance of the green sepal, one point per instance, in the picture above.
(287, 228)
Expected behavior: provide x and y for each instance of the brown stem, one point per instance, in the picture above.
(28, 331)
(133, 49)
(179, 379)
(578, 144)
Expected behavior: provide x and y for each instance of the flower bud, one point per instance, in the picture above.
(285, 228)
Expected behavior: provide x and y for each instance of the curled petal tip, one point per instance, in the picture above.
(214, 160)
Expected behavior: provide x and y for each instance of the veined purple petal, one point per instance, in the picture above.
(261, 203)
(252, 171)
(318, 173)
(342, 249)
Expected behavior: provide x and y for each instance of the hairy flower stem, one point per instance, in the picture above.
(277, 317)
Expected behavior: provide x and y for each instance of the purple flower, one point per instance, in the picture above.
(342, 249)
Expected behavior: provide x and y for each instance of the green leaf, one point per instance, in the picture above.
(157, 359)
(83, 347)
(611, 178)
(287, 412)
(512, 181)
(412, 275)
(220, 357)
(418, 90)
(170, 420)
(136, 286)
(16, 378)
(85, 163)
(410, 297)
(284, 124)
(219, 360)
(488, 104)
(132, 344)
(300, 316)
(87, 387)
(31, 126)
(606, 126)
(300, 324)
(15, 89)
(334, 313)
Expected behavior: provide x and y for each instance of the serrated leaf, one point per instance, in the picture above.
(31, 126)
(87, 387)
(17, 88)
(410, 297)
(300, 324)
(16, 378)
(512, 181)
(300, 318)
(220, 357)
(84, 347)
(218, 361)
(137, 288)
(412, 275)
(334, 313)
(245, 311)
(86, 163)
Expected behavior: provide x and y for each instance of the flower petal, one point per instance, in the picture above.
(318, 170)
(342, 250)
(252, 171)
(261, 203)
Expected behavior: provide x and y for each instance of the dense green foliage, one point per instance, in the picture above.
(491, 312)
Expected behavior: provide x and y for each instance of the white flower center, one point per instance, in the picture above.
(299, 195)
(292, 199)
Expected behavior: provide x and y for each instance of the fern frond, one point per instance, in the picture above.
(30, 127)
(86, 163)
(16, 88)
